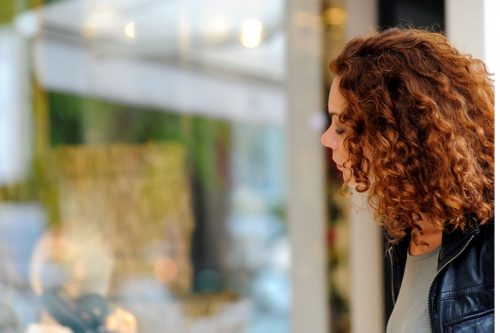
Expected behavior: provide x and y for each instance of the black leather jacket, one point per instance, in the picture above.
(461, 296)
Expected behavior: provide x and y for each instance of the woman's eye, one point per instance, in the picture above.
(340, 131)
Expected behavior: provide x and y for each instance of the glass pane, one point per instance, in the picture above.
(142, 181)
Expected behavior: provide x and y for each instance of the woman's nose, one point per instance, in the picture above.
(327, 139)
(324, 139)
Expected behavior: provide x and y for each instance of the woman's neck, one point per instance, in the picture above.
(425, 240)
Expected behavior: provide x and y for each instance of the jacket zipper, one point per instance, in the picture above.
(439, 271)
(392, 277)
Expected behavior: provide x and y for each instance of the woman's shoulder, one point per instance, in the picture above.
(487, 230)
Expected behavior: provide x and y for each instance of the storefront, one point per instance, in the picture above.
(144, 178)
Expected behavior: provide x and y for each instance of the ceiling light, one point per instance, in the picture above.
(130, 30)
(251, 33)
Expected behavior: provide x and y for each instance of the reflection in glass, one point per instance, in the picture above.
(150, 198)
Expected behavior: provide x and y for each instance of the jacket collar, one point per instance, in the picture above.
(454, 242)
(451, 243)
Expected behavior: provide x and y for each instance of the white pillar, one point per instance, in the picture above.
(366, 257)
(306, 211)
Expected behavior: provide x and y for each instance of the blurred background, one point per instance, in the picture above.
(161, 170)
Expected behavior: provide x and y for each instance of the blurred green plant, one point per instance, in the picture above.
(75, 120)
(7, 11)
(10, 8)
(83, 120)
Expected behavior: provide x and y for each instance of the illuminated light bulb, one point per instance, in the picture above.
(251, 33)
(130, 30)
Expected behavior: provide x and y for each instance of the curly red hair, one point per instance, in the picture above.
(420, 119)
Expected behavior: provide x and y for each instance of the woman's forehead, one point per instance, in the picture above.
(336, 102)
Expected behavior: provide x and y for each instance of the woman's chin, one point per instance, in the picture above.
(351, 183)
(348, 180)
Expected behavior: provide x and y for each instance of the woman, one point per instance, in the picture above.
(412, 124)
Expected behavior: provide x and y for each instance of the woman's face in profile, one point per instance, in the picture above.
(333, 137)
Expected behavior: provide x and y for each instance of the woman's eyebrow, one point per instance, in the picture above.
(331, 113)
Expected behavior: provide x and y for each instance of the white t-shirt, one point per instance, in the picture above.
(410, 313)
